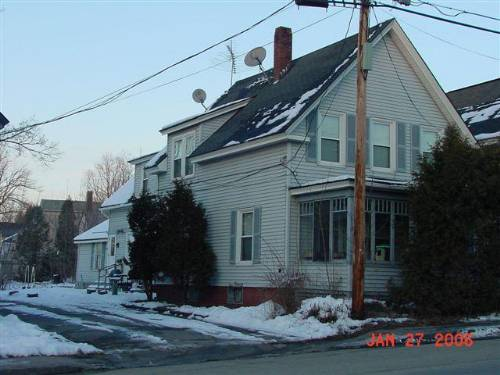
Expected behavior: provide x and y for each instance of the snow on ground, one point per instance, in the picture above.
(484, 318)
(483, 331)
(21, 339)
(109, 307)
(305, 324)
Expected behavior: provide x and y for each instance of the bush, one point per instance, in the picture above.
(452, 264)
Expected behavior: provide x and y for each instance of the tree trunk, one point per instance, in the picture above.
(148, 288)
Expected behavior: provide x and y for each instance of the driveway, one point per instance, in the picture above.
(132, 341)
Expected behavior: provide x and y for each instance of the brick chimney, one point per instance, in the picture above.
(282, 50)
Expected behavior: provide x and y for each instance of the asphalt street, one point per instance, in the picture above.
(482, 358)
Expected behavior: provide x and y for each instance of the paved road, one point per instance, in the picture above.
(126, 342)
(482, 358)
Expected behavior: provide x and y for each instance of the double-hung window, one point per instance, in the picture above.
(183, 147)
(245, 236)
(381, 144)
(428, 141)
(330, 143)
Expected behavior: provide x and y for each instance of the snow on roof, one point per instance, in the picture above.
(482, 112)
(121, 196)
(159, 156)
(99, 232)
(483, 136)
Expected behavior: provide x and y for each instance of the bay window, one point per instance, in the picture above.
(183, 147)
(323, 230)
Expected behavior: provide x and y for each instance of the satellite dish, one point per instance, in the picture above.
(255, 57)
(199, 96)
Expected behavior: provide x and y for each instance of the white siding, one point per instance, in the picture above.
(85, 273)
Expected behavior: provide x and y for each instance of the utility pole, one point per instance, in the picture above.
(358, 265)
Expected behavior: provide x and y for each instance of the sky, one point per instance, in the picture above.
(58, 55)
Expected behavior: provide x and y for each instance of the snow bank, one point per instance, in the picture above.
(317, 318)
(20, 339)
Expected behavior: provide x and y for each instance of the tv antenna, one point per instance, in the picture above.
(256, 57)
(199, 96)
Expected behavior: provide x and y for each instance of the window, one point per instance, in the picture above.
(112, 246)
(95, 250)
(245, 237)
(428, 140)
(330, 139)
(321, 249)
(234, 295)
(381, 142)
(306, 230)
(387, 229)
(145, 181)
(183, 147)
(323, 230)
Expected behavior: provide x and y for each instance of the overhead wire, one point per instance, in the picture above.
(114, 95)
(459, 11)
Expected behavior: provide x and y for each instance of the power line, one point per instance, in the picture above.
(222, 62)
(375, 4)
(114, 95)
(459, 11)
(446, 41)
(384, 5)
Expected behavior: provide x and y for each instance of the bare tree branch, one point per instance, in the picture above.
(107, 176)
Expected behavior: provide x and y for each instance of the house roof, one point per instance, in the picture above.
(56, 205)
(99, 232)
(479, 107)
(276, 104)
(121, 196)
(157, 158)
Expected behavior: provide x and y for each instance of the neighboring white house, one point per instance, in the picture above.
(91, 253)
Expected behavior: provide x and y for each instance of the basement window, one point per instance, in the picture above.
(234, 295)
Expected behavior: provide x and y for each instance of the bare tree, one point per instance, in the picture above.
(107, 176)
(15, 180)
(28, 139)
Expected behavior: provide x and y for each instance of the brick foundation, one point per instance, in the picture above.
(214, 295)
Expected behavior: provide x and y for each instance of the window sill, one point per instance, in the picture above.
(244, 263)
(331, 163)
(385, 264)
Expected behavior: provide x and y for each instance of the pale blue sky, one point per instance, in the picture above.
(57, 55)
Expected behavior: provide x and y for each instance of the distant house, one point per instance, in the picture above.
(479, 106)
(91, 253)
(86, 214)
(272, 162)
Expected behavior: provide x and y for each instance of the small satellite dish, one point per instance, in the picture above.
(199, 96)
(255, 57)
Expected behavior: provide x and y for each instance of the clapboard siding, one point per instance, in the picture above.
(118, 226)
(386, 99)
(85, 273)
(216, 186)
(377, 277)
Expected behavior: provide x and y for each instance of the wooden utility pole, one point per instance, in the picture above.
(358, 266)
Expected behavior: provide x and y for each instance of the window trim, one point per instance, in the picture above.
(392, 145)
(239, 236)
(342, 137)
(183, 138)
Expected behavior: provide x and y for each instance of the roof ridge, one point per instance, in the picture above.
(475, 84)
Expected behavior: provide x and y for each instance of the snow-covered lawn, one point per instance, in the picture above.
(317, 318)
(110, 307)
(21, 339)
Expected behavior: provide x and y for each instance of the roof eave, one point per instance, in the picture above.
(168, 129)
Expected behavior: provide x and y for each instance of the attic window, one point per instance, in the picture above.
(183, 147)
